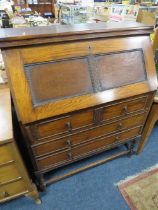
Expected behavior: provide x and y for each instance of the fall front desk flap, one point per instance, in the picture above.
(58, 70)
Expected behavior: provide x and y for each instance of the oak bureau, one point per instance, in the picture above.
(79, 90)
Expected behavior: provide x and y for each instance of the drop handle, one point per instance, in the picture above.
(68, 142)
(125, 109)
(69, 126)
(5, 194)
(70, 156)
(119, 126)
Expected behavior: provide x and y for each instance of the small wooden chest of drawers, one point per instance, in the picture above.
(82, 89)
(14, 179)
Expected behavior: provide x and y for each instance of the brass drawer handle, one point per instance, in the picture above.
(5, 194)
(125, 109)
(70, 156)
(68, 142)
(69, 126)
(119, 126)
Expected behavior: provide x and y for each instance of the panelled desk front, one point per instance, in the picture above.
(79, 90)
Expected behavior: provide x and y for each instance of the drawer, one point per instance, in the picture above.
(5, 154)
(8, 173)
(82, 137)
(104, 142)
(64, 157)
(63, 125)
(7, 191)
(53, 160)
(67, 125)
(122, 109)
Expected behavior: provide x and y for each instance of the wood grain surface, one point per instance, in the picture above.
(60, 33)
(54, 108)
(6, 130)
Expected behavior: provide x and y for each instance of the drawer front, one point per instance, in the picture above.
(5, 154)
(62, 125)
(8, 173)
(122, 109)
(104, 142)
(7, 191)
(56, 128)
(64, 157)
(56, 159)
(76, 139)
(107, 129)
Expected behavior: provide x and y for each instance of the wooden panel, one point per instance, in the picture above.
(54, 52)
(76, 139)
(76, 103)
(56, 159)
(12, 189)
(130, 43)
(107, 129)
(58, 80)
(93, 146)
(8, 173)
(124, 108)
(118, 44)
(63, 157)
(50, 128)
(5, 154)
(74, 49)
(72, 122)
(62, 125)
(6, 133)
(82, 119)
(78, 29)
(51, 146)
(119, 69)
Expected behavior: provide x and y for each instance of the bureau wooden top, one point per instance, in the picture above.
(6, 130)
(58, 33)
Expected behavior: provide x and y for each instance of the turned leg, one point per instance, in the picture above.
(152, 118)
(131, 152)
(34, 195)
